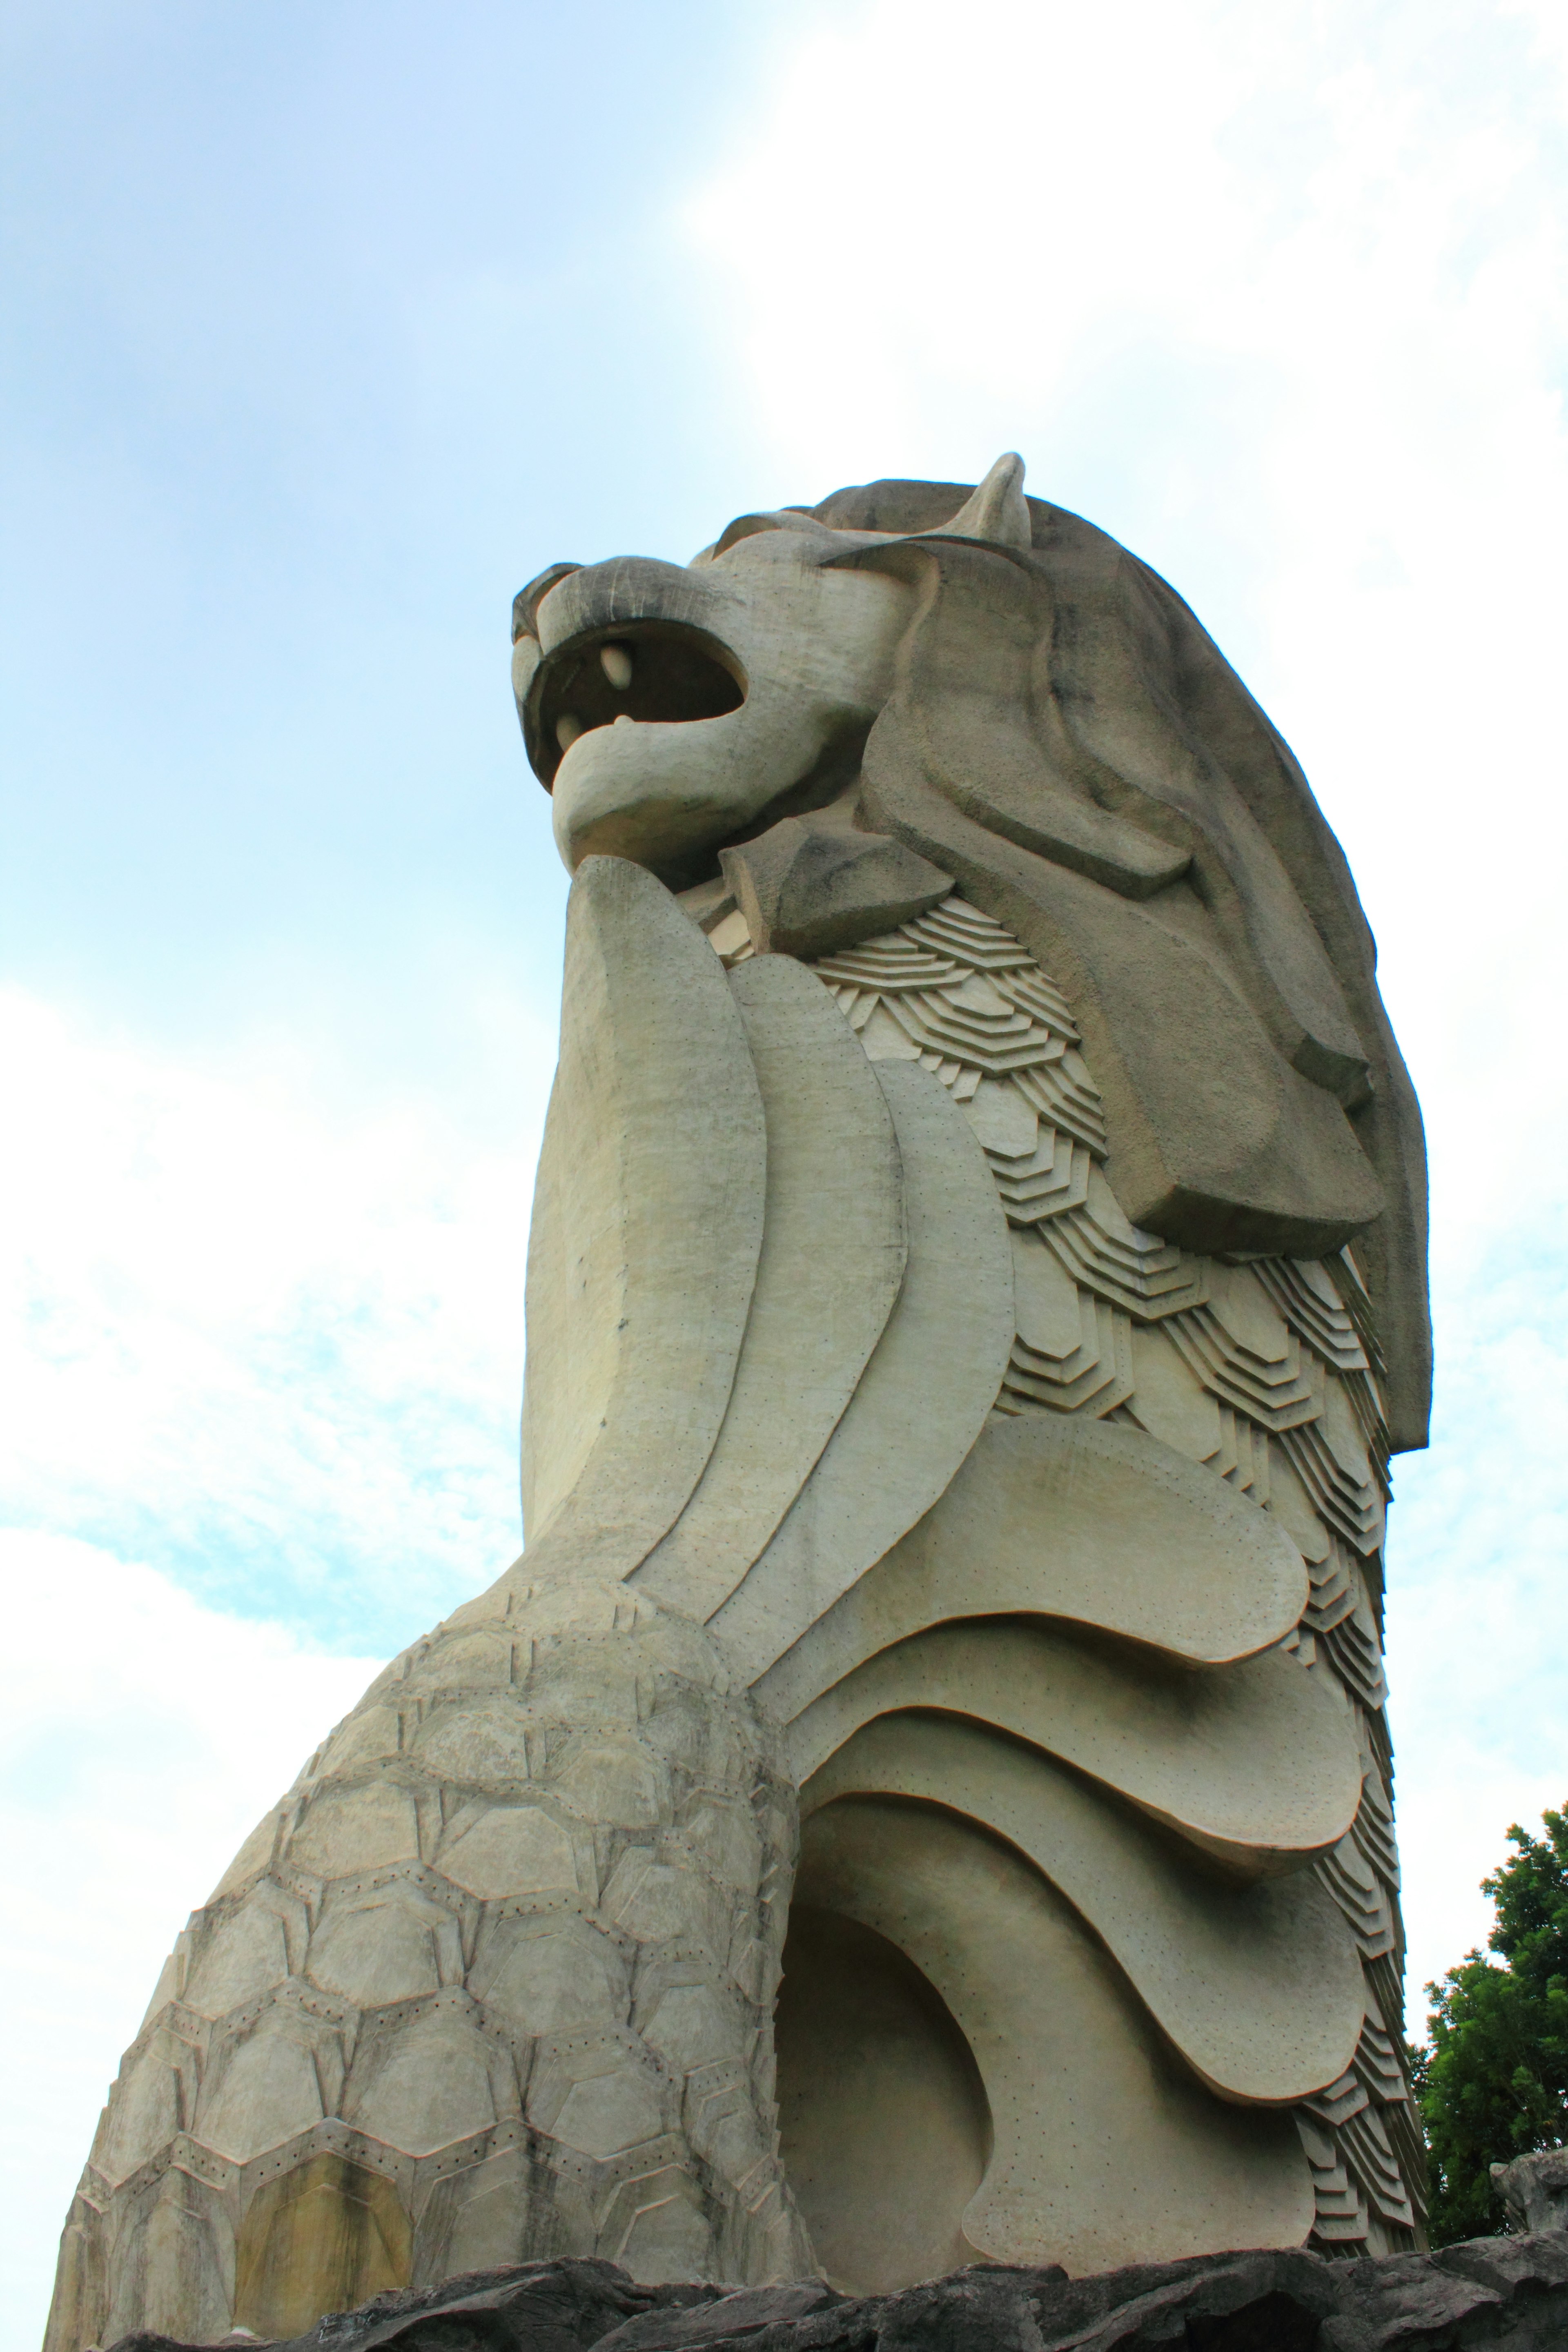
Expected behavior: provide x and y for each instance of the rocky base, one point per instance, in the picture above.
(1508, 2292)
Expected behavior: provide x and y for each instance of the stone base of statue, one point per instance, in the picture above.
(1510, 2293)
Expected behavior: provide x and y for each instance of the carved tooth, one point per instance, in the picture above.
(568, 726)
(615, 661)
(624, 719)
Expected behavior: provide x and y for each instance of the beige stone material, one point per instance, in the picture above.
(995, 512)
(1068, 1518)
(262, 1940)
(1259, 1986)
(815, 646)
(832, 1262)
(1105, 2149)
(356, 1826)
(390, 1943)
(430, 2081)
(805, 889)
(975, 1286)
(884, 2124)
(1254, 1762)
(271, 2076)
(646, 1228)
(1053, 720)
(924, 1399)
(462, 1960)
(325, 2237)
(512, 1850)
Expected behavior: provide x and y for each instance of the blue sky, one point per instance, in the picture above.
(327, 326)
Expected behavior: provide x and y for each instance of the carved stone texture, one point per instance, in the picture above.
(833, 1163)
(506, 1964)
(973, 1287)
(806, 888)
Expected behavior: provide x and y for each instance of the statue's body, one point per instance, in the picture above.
(976, 1278)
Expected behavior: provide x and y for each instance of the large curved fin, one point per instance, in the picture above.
(1259, 1986)
(1106, 2150)
(1256, 1763)
(923, 1399)
(1074, 1518)
(647, 1221)
(832, 1261)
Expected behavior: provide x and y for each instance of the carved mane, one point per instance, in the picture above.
(1067, 740)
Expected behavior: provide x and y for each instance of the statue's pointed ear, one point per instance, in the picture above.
(997, 511)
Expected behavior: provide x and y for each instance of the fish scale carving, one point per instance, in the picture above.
(1270, 1343)
(492, 1928)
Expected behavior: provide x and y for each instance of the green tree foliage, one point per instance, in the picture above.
(1493, 2081)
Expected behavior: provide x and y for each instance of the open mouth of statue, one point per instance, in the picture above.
(642, 671)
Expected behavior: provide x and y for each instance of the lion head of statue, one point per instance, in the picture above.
(924, 671)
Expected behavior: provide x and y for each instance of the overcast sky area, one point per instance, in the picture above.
(328, 326)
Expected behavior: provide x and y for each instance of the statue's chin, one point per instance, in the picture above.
(670, 796)
(656, 835)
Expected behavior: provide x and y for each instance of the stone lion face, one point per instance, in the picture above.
(671, 709)
(990, 683)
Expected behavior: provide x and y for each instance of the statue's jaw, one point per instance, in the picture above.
(648, 672)
(669, 709)
(670, 796)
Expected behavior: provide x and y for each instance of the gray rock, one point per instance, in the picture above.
(1535, 2189)
(556, 2306)
(1510, 2293)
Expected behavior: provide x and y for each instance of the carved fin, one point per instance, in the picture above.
(636, 1316)
(995, 511)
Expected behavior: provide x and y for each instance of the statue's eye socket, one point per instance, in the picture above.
(664, 671)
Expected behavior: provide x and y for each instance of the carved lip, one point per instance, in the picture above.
(664, 671)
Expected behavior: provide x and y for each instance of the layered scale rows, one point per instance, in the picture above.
(509, 1946)
(1266, 1373)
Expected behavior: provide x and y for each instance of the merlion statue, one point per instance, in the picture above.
(923, 1793)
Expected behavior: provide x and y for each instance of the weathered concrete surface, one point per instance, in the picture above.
(956, 1421)
(1512, 2293)
(1102, 2148)
(834, 1175)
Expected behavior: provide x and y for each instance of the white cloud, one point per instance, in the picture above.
(269, 1338)
(144, 1736)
